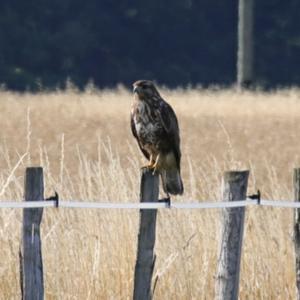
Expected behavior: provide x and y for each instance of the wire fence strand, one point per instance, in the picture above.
(147, 205)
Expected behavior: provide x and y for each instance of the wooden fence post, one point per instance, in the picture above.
(32, 282)
(245, 44)
(297, 229)
(228, 271)
(146, 238)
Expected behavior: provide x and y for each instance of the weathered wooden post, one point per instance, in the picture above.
(146, 238)
(31, 259)
(245, 44)
(297, 229)
(228, 271)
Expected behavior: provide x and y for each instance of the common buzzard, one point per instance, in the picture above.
(155, 126)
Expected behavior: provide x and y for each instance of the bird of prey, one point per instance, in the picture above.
(155, 126)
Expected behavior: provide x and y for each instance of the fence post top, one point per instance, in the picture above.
(234, 175)
(30, 170)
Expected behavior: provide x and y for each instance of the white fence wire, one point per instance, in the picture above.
(147, 205)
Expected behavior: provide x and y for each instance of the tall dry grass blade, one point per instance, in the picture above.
(10, 177)
(28, 135)
(62, 156)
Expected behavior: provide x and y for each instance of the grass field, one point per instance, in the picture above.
(84, 143)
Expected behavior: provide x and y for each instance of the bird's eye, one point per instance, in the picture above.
(144, 87)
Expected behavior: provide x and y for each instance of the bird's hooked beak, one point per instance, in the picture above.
(135, 89)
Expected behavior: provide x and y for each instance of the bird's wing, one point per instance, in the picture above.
(170, 124)
(133, 130)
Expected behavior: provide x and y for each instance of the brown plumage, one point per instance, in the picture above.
(155, 126)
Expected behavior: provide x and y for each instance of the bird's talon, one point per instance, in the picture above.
(149, 167)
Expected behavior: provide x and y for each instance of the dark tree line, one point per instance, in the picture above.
(176, 42)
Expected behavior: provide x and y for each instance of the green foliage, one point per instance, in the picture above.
(178, 42)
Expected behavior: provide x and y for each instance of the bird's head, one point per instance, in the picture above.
(145, 89)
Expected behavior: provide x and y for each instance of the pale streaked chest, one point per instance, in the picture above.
(147, 122)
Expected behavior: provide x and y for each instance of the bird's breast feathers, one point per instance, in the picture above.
(147, 123)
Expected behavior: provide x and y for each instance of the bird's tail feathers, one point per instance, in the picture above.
(172, 182)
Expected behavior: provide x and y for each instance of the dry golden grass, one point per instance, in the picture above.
(84, 143)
